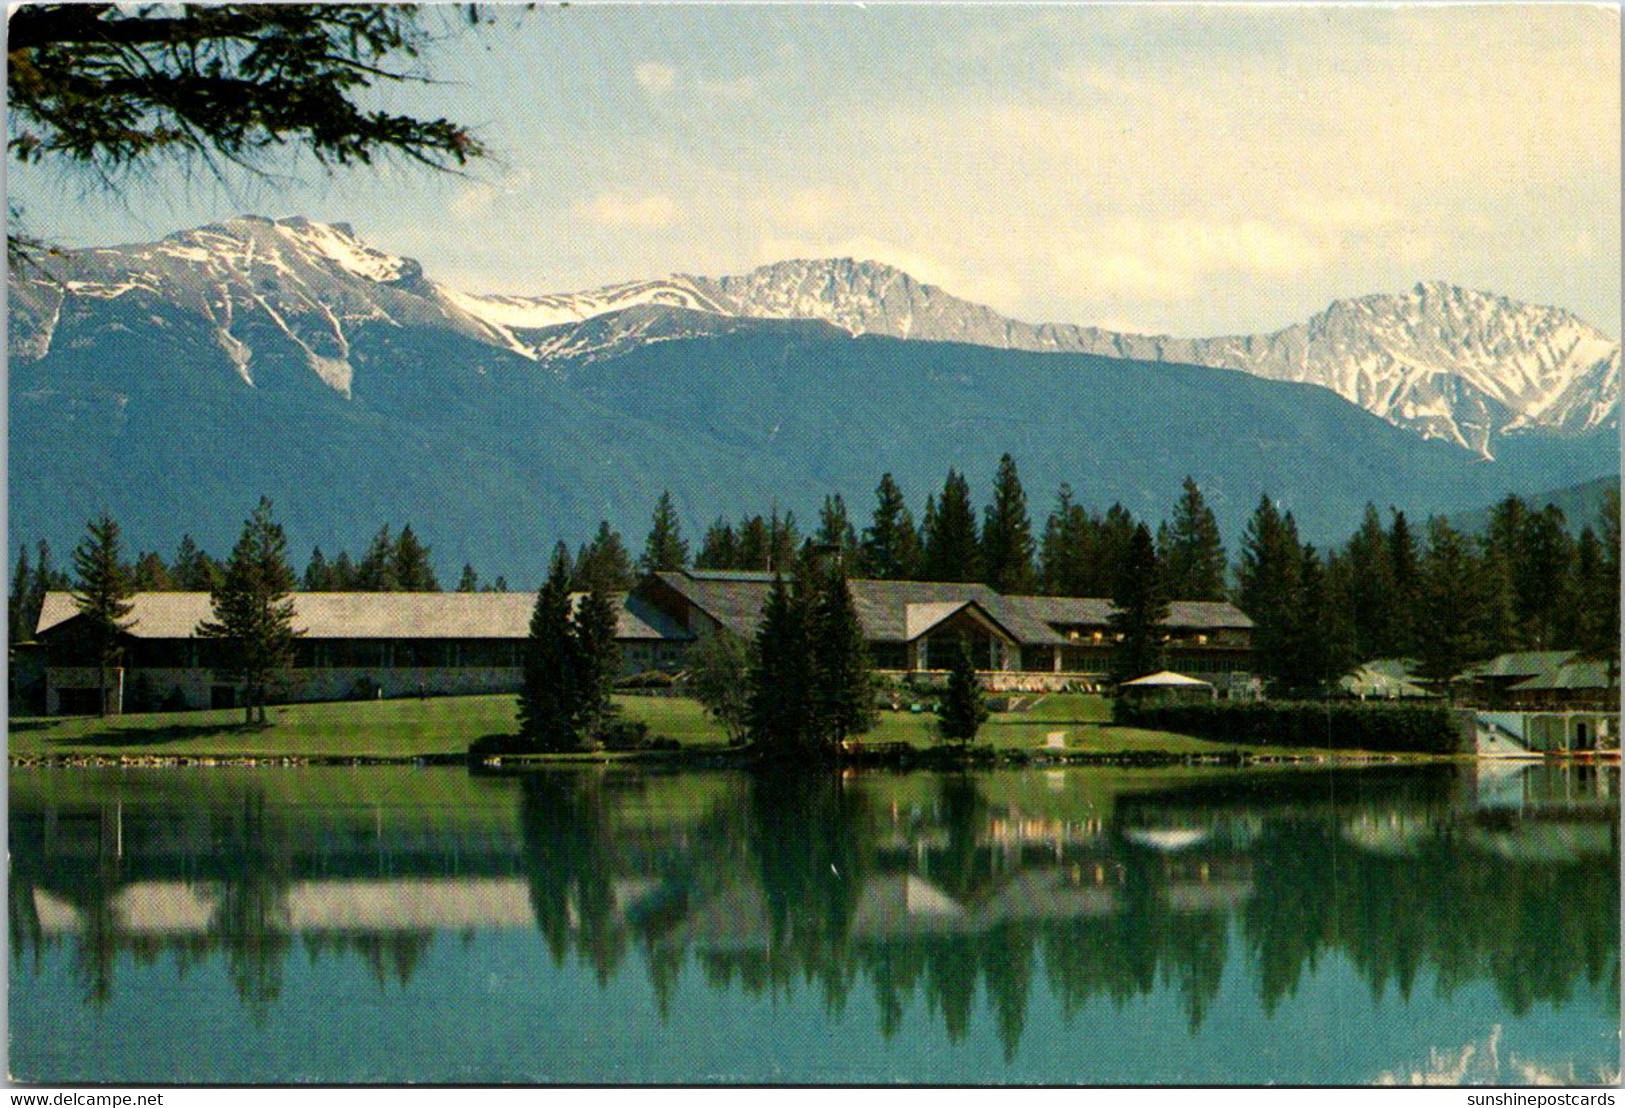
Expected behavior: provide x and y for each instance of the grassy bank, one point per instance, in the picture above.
(412, 728)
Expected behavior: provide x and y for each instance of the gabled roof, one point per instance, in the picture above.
(1525, 663)
(373, 615)
(922, 619)
(1575, 674)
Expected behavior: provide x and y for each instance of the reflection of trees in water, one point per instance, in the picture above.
(250, 917)
(569, 862)
(1534, 928)
(797, 882)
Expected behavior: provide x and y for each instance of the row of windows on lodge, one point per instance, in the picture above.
(369, 654)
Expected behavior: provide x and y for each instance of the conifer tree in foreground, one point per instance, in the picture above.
(253, 610)
(102, 594)
(547, 704)
(780, 685)
(469, 581)
(843, 699)
(1139, 609)
(597, 659)
(963, 708)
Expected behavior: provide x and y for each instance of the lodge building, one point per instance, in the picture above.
(401, 644)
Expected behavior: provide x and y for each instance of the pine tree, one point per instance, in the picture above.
(194, 571)
(1063, 562)
(951, 545)
(1599, 596)
(1191, 550)
(21, 600)
(963, 708)
(1110, 551)
(253, 610)
(413, 571)
(720, 547)
(376, 572)
(469, 581)
(346, 577)
(101, 593)
(784, 543)
(318, 574)
(1371, 589)
(719, 672)
(891, 547)
(1317, 640)
(150, 574)
(1405, 563)
(1540, 576)
(755, 545)
(604, 563)
(835, 530)
(1139, 610)
(664, 549)
(1269, 577)
(597, 658)
(1007, 535)
(779, 681)
(547, 704)
(843, 698)
(1451, 617)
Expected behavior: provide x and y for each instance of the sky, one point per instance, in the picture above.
(1187, 170)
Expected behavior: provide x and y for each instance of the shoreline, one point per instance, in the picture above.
(745, 760)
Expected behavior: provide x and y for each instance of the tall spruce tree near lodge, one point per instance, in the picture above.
(253, 610)
(1191, 551)
(843, 697)
(664, 548)
(547, 705)
(597, 662)
(891, 547)
(102, 594)
(780, 678)
(1139, 608)
(1007, 535)
(951, 545)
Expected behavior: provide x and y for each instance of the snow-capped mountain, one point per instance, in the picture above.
(1446, 362)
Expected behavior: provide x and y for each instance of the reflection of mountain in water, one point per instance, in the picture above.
(921, 886)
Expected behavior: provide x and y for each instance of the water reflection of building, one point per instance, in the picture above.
(824, 881)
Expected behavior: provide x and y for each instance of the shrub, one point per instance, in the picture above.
(1338, 725)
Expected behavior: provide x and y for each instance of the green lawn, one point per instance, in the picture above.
(410, 727)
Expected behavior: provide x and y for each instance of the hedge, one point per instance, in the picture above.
(1339, 725)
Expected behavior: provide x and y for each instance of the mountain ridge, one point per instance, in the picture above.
(1446, 362)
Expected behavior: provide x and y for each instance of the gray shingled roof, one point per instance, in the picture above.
(1196, 615)
(374, 615)
(1576, 674)
(1522, 663)
(735, 600)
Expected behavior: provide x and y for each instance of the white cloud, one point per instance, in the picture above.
(655, 77)
(646, 213)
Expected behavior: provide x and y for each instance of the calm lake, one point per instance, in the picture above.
(1081, 925)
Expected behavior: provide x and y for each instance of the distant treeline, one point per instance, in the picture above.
(1442, 597)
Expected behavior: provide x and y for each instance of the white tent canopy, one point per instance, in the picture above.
(1167, 679)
